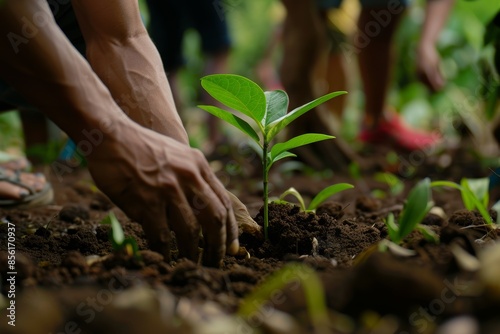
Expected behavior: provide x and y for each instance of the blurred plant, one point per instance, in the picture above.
(292, 272)
(417, 205)
(474, 194)
(396, 186)
(322, 196)
(117, 237)
(268, 111)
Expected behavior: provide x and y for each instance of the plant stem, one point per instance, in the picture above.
(265, 183)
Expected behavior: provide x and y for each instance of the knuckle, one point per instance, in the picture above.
(220, 218)
(198, 155)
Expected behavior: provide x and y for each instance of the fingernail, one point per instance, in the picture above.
(23, 193)
(234, 247)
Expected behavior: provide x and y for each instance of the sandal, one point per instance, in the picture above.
(33, 199)
(12, 162)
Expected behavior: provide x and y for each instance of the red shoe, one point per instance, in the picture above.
(395, 131)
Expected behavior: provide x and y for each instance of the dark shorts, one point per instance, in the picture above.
(171, 18)
(66, 20)
(326, 4)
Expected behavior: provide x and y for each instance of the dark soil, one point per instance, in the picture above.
(69, 280)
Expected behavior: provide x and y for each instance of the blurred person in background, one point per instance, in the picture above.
(169, 21)
(314, 55)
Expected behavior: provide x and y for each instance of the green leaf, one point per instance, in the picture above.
(392, 181)
(446, 184)
(477, 205)
(428, 234)
(293, 192)
(479, 187)
(277, 106)
(392, 228)
(117, 235)
(280, 156)
(417, 206)
(466, 195)
(272, 129)
(234, 120)
(238, 93)
(295, 142)
(324, 194)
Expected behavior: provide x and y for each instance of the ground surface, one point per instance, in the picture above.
(68, 279)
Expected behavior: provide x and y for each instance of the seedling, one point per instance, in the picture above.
(268, 112)
(117, 237)
(322, 196)
(414, 211)
(474, 194)
(291, 273)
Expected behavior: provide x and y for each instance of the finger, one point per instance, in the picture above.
(227, 199)
(232, 242)
(185, 225)
(212, 215)
(154, 224)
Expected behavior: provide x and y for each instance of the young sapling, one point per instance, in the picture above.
(268, 111)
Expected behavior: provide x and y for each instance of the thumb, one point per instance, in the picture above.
(245, 222)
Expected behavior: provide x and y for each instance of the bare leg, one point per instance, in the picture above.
(302, 72)
(375, 62)
(336, 77)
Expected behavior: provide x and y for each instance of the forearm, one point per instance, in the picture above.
(134, 74)
(126, 60)
(436, 14)
(50, 73)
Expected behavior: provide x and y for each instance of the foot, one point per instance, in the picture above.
(21, 190)
(394, 131)
(13, 163)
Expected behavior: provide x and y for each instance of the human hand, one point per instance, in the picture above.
(428, 70)
(166, 185)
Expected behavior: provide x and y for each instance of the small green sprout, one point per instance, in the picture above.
(291, 273)
(268, 111)
(474, 194)
(117, 237)
(396, 186)
(417, 206)
(322, 196)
